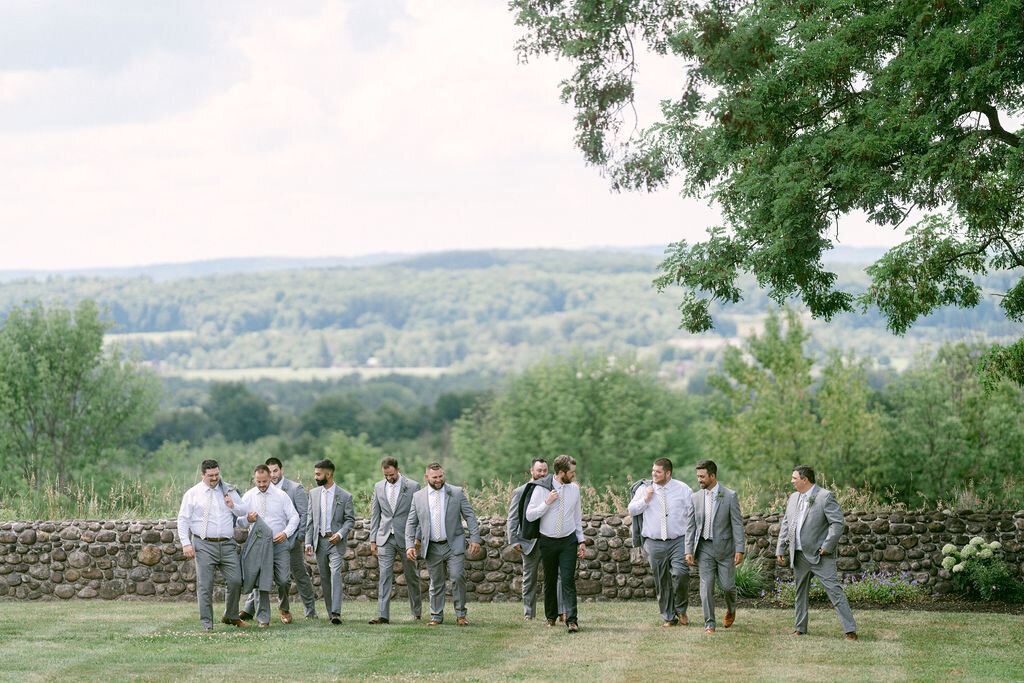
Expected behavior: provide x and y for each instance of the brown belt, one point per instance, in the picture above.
(215, 540)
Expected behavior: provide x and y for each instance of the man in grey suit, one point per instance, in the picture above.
(434, 528)
(331, 517)
(714, 535)
(810, 530)
(528, 547)
(299, 575)
(392, 498)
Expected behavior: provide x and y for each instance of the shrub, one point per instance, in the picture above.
(752, 578)
(979, 571)
(887, 587)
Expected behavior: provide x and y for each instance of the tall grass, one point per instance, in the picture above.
(158, 495)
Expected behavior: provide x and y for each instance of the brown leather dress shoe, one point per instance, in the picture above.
(574, 628)
(561, 617)
(335, 618)
(668, 624)
(709, 630)
(798, 633)
(263, 624)
(243, 615)
(683, 619)
(730, 617)
(852, 635)
(551, 622)
(461, 621)
(379, 620)
(433, 623)
(235, 622)
(286, 617)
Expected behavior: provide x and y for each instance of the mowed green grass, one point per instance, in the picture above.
(618, 641)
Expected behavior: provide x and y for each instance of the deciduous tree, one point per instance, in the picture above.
(64, 398)
(793, 114)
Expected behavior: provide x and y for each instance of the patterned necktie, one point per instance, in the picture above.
(561, 513)
(664, 514)
(393, 495)
(206, 512)
(706, 531)
(801, 509)
(435, 519)
(263, 504)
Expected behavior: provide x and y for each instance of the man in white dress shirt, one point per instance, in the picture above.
(555, 502)
(277, 511)
(206, 528)
(331, 518)
(665, 506)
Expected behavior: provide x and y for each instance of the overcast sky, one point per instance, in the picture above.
(143, 132)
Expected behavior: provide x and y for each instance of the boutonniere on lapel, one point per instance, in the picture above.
(721, 495)
(810, 500)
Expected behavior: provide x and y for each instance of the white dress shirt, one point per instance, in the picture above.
(327, 503)
(201, 502)
(678, 498)
(436, 497)
(572, 511)
(280, 512)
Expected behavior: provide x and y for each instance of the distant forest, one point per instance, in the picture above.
(482, 311)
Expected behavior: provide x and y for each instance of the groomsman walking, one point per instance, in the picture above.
(331, 518)
(389, 513)
(435, 528)
(810, 532)
(665, 506)
(715, 538)
(528, 547)
(206, 530)
(555, 502)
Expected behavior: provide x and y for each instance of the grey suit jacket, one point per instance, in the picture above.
(383, 520)
(822, 527)
(343, 516)
(258, 558)
(512, 523)
(456, 505)
(726, 527)
(297, 493)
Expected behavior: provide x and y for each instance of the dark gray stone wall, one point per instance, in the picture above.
(142, 559)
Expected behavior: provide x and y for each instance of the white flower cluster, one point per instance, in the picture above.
(954, 558)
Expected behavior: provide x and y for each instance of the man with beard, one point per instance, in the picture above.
(206, 528)
(528, 547)
(810, 531)
(715, 536)
(299, 575)
(665, 506)
(389, 513)
(555, 502)
(434, 528)
(331, 518)
(280, 521)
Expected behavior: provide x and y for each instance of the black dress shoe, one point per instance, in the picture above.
(335, 618)
(379, 620)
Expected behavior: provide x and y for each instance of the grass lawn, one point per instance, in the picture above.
(618, 641)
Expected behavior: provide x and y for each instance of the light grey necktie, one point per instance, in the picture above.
(706, 531)
(664, 514)
(801, 510)
(435, 517)
(206, 512)
(561, 512)
(393, 495)
(263, 504)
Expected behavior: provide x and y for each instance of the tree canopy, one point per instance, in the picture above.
(64, 400)
(793, 114)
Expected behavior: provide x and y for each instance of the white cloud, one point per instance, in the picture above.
(333, 129)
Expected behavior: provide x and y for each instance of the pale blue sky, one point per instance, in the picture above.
(141, 132)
